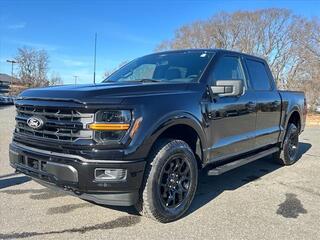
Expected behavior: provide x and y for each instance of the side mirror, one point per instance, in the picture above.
(227, 88)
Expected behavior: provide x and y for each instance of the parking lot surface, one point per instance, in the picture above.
(261, 200)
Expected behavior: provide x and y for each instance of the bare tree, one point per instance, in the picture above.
(32, 67)
(55, 79)
(311, 37)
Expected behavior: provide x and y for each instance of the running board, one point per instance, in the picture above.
(232, 165)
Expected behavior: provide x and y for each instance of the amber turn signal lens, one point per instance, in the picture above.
(109, 126)
(135, 127)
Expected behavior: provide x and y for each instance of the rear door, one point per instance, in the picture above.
(268, 102)
(232, 119)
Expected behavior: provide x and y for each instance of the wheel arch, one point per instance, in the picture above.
(184, 127)
(294, 117)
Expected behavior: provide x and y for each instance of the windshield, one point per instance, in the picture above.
(164, 67)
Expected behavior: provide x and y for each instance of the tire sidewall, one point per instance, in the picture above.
(171, 214)
(292, 129)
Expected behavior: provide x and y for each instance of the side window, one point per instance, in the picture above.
(258, 75)
(227, 68)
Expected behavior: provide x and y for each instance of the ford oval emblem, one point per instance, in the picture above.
(35, 122)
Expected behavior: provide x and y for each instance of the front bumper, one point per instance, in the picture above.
(76, 175)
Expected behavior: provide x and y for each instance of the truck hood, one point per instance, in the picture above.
(113, 93)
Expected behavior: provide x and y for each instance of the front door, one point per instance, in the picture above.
(232, 119)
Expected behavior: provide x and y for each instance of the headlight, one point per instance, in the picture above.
(113, 116)
(110, 125)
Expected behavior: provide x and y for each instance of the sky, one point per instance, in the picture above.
(125, 29)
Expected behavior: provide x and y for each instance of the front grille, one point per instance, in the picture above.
(60, 124)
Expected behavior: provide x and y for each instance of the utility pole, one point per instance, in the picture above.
(94, 61)
(75, 79)
(12, 62)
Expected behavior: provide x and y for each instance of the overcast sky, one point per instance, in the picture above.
(126, 29)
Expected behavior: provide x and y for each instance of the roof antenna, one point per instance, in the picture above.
(95, 56)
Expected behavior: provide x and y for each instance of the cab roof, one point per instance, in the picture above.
(212, 50)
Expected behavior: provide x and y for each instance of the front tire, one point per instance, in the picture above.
(170, 181)
(289, 153)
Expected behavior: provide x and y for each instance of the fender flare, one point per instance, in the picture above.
(295, 108)
(287, 116)
(174, 119)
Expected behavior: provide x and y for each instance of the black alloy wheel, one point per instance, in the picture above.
(174, 181)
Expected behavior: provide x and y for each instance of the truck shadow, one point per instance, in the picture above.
(212, 186)
(4, 183)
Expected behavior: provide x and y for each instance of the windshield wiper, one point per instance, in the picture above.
(143, 80)
(146, 80)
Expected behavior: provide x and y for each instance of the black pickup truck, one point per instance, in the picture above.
(141, 136)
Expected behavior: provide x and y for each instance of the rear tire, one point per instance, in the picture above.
(170, 181)
(289, 153)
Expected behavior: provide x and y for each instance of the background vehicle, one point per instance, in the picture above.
(140, 137)
(7, 100)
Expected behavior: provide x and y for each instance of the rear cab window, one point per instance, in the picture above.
(258, 75)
